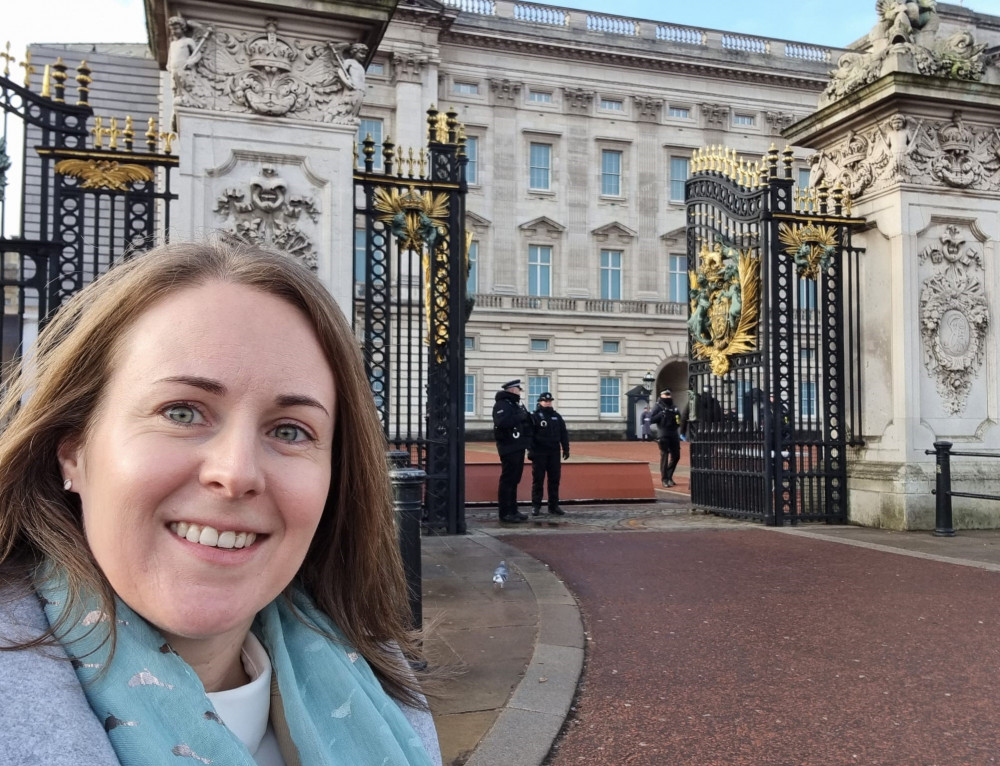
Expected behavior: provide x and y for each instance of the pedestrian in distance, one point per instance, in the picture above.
(549, 437)
(645, 420)
(198, 551)
(512, 430)
(667, 419)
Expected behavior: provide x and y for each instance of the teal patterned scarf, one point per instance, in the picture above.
(154, 708)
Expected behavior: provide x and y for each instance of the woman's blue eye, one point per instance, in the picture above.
(289, 433)
(182, 413)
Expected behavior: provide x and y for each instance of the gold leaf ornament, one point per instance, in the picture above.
(812, 247)
(415, 219)
(725, 305)
(104, 174)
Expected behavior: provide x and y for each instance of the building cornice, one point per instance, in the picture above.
(708, 68)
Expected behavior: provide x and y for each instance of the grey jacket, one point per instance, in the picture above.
(47, 720)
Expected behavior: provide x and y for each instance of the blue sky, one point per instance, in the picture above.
(813, 21)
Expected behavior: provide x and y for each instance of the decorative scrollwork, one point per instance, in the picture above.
(812, 247)
(415, 218)
(104, 174)
(725, 305)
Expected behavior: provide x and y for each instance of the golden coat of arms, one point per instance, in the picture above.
(813, 247)
(725, 305)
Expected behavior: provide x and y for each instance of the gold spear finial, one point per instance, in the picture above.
(7, 57)
(27, 67)
(98, 133)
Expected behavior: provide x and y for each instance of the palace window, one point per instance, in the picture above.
(470, 394)
(470, 342)
(679, 112)
(677, 290)
(540, 166)
(376, 68)
(678, 175)
(537, 385)
(611, 396)
(612, 105)
(807, 294)
(465, 88)
(540, 96)
(539, 270)
(804, 178)
(611, 346)
(611, 173)
(472, 286)
(807, 398)
(611, 275)
(745, 120)
(472, 152)
(539, 344)
(370, 127)
(359, 255)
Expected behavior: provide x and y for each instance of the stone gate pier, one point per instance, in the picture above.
(909, 126)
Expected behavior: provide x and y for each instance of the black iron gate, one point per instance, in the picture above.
(91, 194)
(410, 308)
(774, 340)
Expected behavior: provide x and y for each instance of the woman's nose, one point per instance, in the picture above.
(232, 463)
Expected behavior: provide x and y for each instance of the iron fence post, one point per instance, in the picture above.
(942, 522)
(407, 490)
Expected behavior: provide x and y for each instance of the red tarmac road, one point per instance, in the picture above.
(751, 647)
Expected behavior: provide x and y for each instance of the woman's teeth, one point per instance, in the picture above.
(212, 537)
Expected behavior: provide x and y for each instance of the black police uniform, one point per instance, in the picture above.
(549, 436)
(512, 432)
(667, 419)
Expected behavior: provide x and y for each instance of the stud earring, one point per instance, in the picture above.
(68, 485)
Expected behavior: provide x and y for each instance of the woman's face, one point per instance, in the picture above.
(207, 465)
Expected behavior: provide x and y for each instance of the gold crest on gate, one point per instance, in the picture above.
(725, 305)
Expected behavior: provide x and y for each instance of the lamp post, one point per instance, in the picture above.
(649, 379)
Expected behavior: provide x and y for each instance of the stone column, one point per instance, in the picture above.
(910, 130)
(265, 98)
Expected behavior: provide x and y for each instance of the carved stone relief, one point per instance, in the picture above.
(409, 67)
(578, 99)
(778, 121)
(898, 150)
(954, 314)
(715, 115)
(648, 107)
(266, 73)
(504, 91)
(905, 40)
(264, 213)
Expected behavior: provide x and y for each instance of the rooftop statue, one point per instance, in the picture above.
(906, 38)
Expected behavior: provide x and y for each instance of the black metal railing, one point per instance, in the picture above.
(943, 525)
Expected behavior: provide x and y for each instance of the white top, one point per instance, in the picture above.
(246, 709)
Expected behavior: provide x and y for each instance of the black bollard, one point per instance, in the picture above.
(942, 521)
(408, 487)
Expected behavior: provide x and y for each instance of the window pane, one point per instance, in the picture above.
(376, 67)
(373, 128)
(470, 394)
(470, 342)
(611, 275)
(807, 397)
(610, 396)
(807, 294)
(679, 111)
(537, 385)
(539, 266)
(611, 171)
(540, 162)
(612, 104)
(359, 255)
(804, 177)
(677, 291)
(466, 88)
(611, 346)
(472, 152)
(678, 175)
(472, 286)
(540, 96)
(743, 119)
(539, 344)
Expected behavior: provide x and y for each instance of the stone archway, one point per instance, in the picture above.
(673, 375)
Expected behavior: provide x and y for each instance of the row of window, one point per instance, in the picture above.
(544, 345)
(609, 403)
(540, 165)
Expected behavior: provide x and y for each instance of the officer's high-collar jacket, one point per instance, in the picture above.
(550, 430)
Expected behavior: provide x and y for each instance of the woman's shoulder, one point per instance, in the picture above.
(46, 717)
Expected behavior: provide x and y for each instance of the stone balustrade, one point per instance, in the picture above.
(655, 32)
(578, 305)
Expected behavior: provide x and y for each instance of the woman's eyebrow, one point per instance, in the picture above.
(299, 400)
(206, 384)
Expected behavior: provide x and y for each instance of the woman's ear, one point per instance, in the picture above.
(70, 455)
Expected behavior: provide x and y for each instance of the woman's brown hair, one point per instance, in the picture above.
(353, 568)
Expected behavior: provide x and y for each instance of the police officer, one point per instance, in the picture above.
(667, 418)
(549, 435)
(512, 431)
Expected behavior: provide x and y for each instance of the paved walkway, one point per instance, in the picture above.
(921, 627)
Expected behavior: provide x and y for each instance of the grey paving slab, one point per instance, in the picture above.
(518, 738)
(550, 680)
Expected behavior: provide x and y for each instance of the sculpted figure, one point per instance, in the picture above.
(898, 20)
(184, 52)
(351, 74)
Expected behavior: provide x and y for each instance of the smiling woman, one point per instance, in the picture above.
(194, 508)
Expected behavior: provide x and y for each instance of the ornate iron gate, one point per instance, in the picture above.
(90, 196)
(774, 340)
(411, 305)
